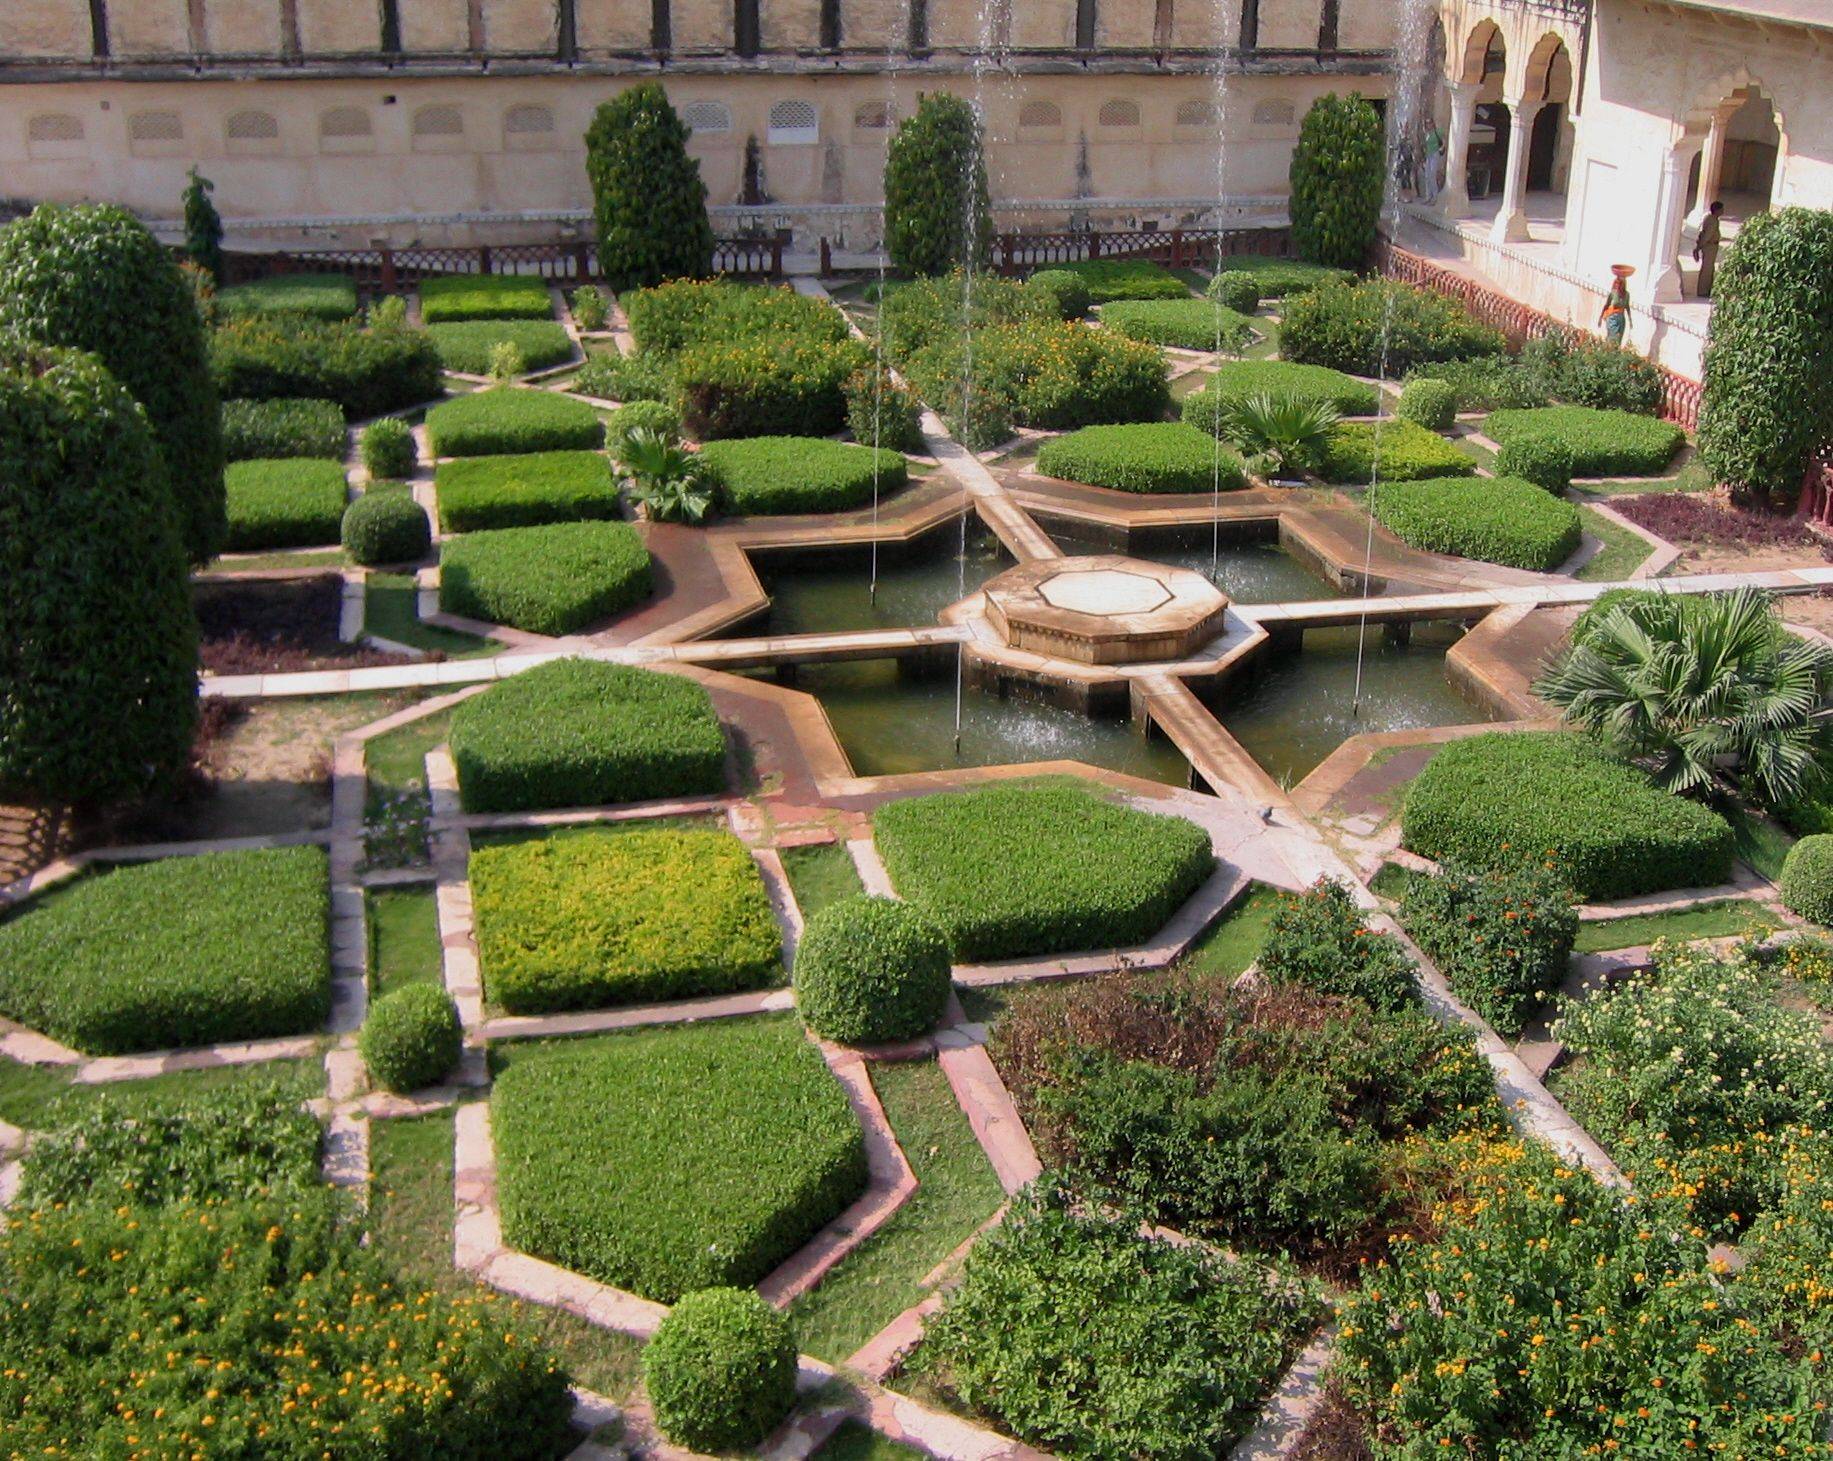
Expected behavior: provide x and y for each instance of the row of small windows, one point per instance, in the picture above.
(338, 124)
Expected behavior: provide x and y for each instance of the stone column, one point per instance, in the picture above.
(1711, 169)
(1670, 211)
(1511, 224)
(1454, 201)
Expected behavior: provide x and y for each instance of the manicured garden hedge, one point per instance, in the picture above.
(1052, 375)
(268, 429)
(489, 423)
(775, 474)
(183, 951)
(1494, 519)
(675, 1159)
(384, 526)
(545, 580)
(579, 733)
(321, 296)
(389, 450)
(1067, 292)
(621, 917)
(1611, 834)
(686, 312)
(1040, 869)
(720, 1370)
(1150, 456)
(411, 1038)
(1188, 324)
(1807, 879)
(367, 372)
(609, 376)
(1111, 279)
(466, 346)
(1379, 326)
(1393, 451)
(1428, 403)
(296, 502)
(521, 491)
(485, 297)
(1238, 379)
(762, 387)
(1283, 278)
(871, 969)
(1604, 443)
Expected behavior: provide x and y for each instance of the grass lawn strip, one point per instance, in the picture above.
(1724, 919)
(404, 943)
(820, 874)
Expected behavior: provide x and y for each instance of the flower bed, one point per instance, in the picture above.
(1238, 379)
(625, 916)
(1188, 324)
(484, 297)
(1604, 443)
(685, 312)
(295, 502)
(580, 733)
(265, 430)
(1680, 517)
(522, 491)
(1153, 456)
(675, 1159)
(780, 474)
(1016, 870)
(1111, 279)
(488, 423)
(1492, 519)
(183, 951)
(1392, 451)
(546, 580)
(320, 296)
(1379, 327)
(468, 346)
(1612, 834)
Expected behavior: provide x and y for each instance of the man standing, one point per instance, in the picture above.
(1428, 177)
(1705, 249)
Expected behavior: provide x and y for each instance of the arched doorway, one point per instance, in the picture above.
(1736, 152)
(1485, 62)
(1549, 82)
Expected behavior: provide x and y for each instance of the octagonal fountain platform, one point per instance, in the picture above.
(1104, 610)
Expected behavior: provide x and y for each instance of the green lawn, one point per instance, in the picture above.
(1621, 554)
(35, 1097)
(857, 1441)
(248, 562)
(397, 760)
(820, 875)
(1760, 842)
(1724, 919)
(1477, 452)
(403, 939)
(390, 609)
(956, 1192)
(1233, 941)
(410, 1224)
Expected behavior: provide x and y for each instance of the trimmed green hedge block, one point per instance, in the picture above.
(1807, 879)
(411, 1038)
(506, 421)
(579, 733)
(1546, 461)
(1110, 279)
(1428, 403)
(523, 491)
(674, 1159)
(1067, 292)
(295, 502)
(720, 1370)
(1494, 799)
(1391, 451)
(1149, 456)
(779, 474)
(1604, 443)
(267, 430)
(1493, 519)
(485, 297)
(385, 526)
(366, 371)
(623, 916)
(546, 580)
(871, 969)
(466, 346)
(1017, 870)
(1187, 324)
(1240, 379)
(682, 313)
(1282, 278)
(1236, 288)
(788, 385)
(183, 951)
(322, 296)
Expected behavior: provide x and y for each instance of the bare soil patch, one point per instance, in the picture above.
(275, 626)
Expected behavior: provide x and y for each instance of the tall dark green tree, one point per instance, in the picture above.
(646, 192)
(92, 278)
(1767, 407)
(203, 226)
(1337, 181)
(937, 213)
(98, 643)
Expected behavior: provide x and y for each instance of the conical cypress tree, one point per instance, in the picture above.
(647, 192)
(936, 188)
(1337, 181)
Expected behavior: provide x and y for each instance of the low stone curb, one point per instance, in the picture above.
(1662, 554)
(106, 1069)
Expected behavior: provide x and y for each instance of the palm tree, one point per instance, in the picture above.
(1694, 686)
(665, 477)
(1280, 436)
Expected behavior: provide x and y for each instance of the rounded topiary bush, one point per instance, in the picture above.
(871, 969)
(1429, 403)
(1066, 290)
(1807, 878)
(1235, 289)
(411, 1038)
(389, 451)
(386, 527)
(1546, 461)
(721, 1370)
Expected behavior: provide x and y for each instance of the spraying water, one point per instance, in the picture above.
(878, 371)
(1222, 12)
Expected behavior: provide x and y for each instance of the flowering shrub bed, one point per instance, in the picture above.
(523, 490)
(1037, 869)
(295, 502)
(270, 429)
(321, 296)
(183, 951)
(776, 474)
(545, 580)
(1111, 279)
(1393, 451)
(1603, 443)
(930, 312)
(578, 733)
(1055, 376)
(1236, 380)
(759, 387)
(466, 346)
(1491, 799)
(484, 297)
(1188, 324)
(674, 1159)
(1378, 327)
(604, 917)
(488, 423)
(1318, 939)
(1152, 456)
(1493, 519)
(625, 378)
(686, 312)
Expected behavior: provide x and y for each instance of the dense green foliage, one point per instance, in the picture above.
(720, 1370)
(1016, 869)
(1067, 291)
(1381, 328)
(203, 245)
(488, 423)
(1583, 370)
(484, 297)
(647, 196)
(93, 278)
(870, 970)
(937, 214)
(1336, 176)
(295, 502)
(677, 316)
(1282, 438)
(368, 372)
(588, 308)
(932, 312)
(881, 413)
(1428, 403)
(470, 346)
(1491, 799)
(1318, 939)
(317, 296)
(674, 1159)
(255, 430)
(1486, 383)
(98, 642)
(554, 579)
(667, 481)
(1493, 519)
(1240, 379)
(411, 1038)
(183, 951)
(1236, 289)
(1188, 324)
(1390, 451)
(776, 474)
(385, 527)
(794, 384)
(1281, 278)
(580, 733)
(1536, 457)
(1114, 279)
(626, 378)
(1807, 879)
(1766, 408)
(519, 491)
(1153, 456)
(1056, 376)
(621, 917)
(389, 450)
(656, 416)
(1603, 443)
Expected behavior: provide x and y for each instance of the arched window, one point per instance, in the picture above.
(1118, 112)
(251, 127)
(527, 121)
(54, 127)
(792, 123)
(439, 121)
(1040, 114)
(155, 127)
(706, 117)
(1274, 114)
(345, 123)
(873, 116)
(1197, 114)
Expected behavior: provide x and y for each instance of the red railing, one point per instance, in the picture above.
(1175, 248)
